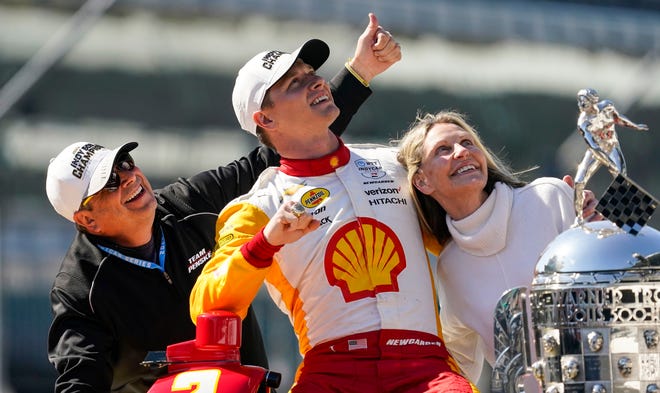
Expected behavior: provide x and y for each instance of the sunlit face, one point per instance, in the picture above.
(301, 101)
(453, 168)
(118, 213)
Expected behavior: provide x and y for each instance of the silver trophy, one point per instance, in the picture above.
(595, 312)
(594, 302)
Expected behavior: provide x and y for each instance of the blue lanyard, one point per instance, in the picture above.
(141, 262)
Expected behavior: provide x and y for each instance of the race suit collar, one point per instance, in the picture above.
(317, 166)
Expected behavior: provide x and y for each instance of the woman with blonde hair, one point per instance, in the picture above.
(492, 225)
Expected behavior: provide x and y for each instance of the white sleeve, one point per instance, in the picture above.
(464, 344)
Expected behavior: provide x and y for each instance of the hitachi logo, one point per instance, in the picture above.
(82, 157)
(388, 201)
(270, 58)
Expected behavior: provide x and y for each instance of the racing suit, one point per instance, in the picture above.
(109, 313)
(358, 289)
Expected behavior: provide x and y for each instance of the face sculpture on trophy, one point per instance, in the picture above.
(594, 302)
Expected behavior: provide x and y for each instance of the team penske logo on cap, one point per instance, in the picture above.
(364, 258)
(82, 157)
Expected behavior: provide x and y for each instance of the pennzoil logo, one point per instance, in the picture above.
(224, 240)
(364, 258)
(314, 197)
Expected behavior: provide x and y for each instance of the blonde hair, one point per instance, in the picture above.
(431, 213)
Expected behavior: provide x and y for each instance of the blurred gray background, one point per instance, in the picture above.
(160, 72)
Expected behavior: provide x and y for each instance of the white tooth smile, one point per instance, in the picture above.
(320, 99)
(464, 169)
(134, 195)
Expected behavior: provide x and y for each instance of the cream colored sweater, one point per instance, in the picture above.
(495, 249)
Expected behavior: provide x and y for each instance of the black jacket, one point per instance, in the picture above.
(108, 313)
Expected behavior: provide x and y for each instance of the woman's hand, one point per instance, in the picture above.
(589, 212)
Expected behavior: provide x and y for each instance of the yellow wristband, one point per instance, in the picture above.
(355, 74)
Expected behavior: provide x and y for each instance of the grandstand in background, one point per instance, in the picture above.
(176, 109)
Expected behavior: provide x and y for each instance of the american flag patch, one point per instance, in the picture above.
(357, 344)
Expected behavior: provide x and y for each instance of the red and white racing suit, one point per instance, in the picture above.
(359, 291)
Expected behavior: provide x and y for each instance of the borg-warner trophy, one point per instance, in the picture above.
(591, 320)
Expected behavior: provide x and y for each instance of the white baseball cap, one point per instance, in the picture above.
(263, 71)
(80, 170)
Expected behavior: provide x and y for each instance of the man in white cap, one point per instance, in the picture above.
(124, 285)
(334, 235)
